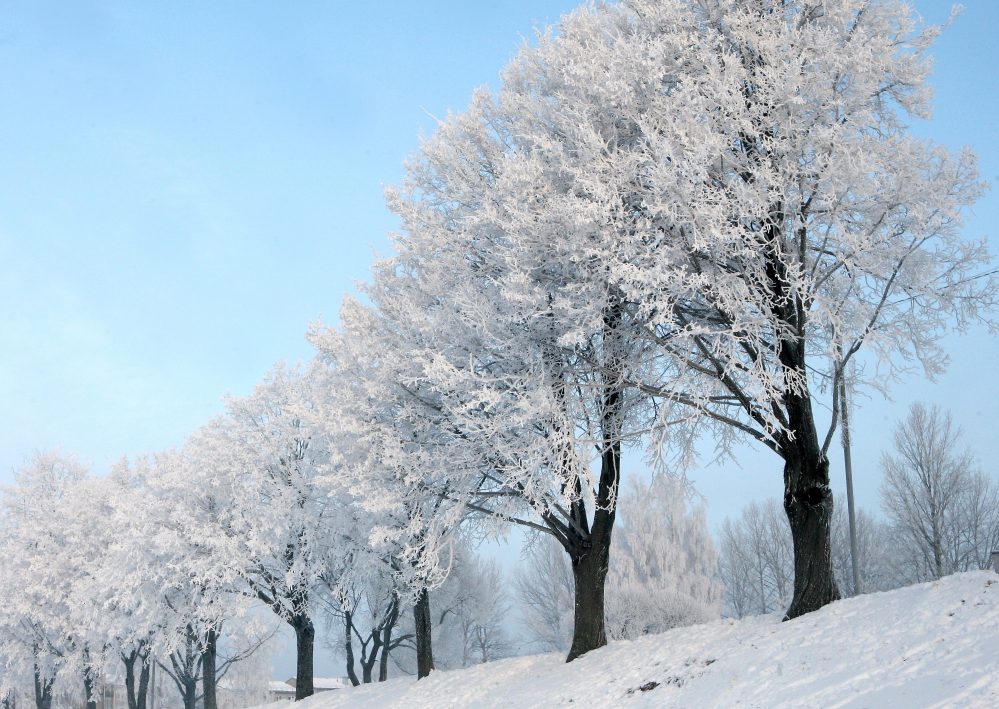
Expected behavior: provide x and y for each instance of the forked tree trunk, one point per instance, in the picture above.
(808, 503)
(390, 621)
(348, 647)
(305, 640)
(136, 698)
(208, 661)
(424, 645)
(368, 663)
(591, 560)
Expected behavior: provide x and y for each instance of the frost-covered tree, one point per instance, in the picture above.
(402, 456)
(944, 511)
(364, 608)
(188, 589)
(263, 514)
(778, 213)
(714, 204)
(46, 555)
(511, 346)
(124, 594)
(664, 570)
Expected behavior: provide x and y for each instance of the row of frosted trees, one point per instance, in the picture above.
(674, 220)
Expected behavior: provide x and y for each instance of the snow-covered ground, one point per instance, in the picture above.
(931, 645)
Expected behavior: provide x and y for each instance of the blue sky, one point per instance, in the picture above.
(185, 186)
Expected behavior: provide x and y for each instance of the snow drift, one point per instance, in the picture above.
(931, 645)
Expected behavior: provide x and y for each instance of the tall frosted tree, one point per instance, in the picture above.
(737, 181)
(253, 487)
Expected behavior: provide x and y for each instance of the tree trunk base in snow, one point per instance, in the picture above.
(305, 640)
(809, 508)
(590, 574)
(424, 646)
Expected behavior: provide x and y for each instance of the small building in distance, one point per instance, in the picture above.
(285, 690)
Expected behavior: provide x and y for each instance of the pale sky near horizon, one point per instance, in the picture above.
(185, 186)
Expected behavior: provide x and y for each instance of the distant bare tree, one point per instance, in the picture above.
(944, 511)
(756, 560)
(876, 553)
(546, 608)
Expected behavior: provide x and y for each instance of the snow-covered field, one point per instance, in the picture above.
(931, 645)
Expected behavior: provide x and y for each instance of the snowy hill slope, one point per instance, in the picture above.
(931, 645)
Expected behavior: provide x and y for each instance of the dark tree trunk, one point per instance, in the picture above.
(390, 620)
(588, 632)
(368, 661)
(591, 558)
(808, 503)
(305, 640)
(140, 696)
(807, 498)
(186, 673)
(348, 646)
(208, 661)
(190, 693)
(424, 645)
(43, 691)
(136, 699)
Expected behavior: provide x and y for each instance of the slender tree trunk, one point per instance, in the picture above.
(390, 620)
(368, 662)
(140, 696)
(208, 661)
(808, 503)
(348, 646)
(424, 645)
(43, 691)
(935, 530)
(88, 689)
(305, 640)
(88, 680)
